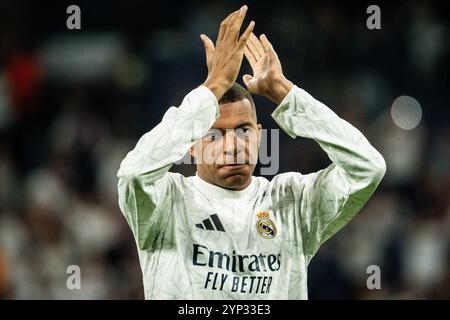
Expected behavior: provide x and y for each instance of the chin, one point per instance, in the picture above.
(235, 180)
(234, 177)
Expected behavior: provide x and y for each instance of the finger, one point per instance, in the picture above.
(240, 15)
(224, 24)
(265, 42)
(250, 56)
(229, 33)
(209, 47)
(252, 46)
(246, 34)
(256, 44)
(236, 23)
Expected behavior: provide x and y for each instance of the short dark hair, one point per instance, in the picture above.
(237, 93)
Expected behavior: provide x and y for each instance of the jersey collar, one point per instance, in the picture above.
(219, 192)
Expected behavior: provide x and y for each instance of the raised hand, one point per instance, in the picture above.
(268, 79)
(225, 58)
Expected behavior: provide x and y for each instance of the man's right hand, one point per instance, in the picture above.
(225, 59)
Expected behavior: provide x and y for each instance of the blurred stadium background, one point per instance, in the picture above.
(72, 103)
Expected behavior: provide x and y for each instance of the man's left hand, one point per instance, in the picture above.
(268, 79)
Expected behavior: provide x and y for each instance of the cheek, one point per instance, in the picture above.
(199, 147)
(251, 144)
(208, 152)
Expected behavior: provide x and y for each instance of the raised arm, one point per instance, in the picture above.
(145, 188)
(329, 198)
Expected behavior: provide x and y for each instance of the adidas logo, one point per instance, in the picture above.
(212, 223)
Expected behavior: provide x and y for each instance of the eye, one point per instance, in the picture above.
(243, 132)
(212, 135)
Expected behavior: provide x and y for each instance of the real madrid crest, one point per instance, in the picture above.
(265, 226)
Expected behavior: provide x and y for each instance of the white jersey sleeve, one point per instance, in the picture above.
(331, 197)
(145, 187)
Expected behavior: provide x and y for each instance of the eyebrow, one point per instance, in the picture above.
(243, 124)
(240, 125)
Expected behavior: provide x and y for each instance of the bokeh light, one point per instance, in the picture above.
(406, 112)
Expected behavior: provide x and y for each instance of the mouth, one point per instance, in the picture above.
(233, 166)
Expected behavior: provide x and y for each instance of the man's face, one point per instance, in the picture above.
(228, 154)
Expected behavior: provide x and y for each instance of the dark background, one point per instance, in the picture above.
(72, 103)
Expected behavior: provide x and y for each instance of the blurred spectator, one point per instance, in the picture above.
(4, 284)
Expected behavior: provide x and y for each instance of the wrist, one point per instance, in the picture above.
(218, 88)
(279, 89)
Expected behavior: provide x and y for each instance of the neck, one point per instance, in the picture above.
(217, 192)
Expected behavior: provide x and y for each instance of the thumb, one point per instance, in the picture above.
(247, 78)
(209, 46)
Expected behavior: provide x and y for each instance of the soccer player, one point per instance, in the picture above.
(224, 233)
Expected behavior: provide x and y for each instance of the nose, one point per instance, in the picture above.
(231, 146)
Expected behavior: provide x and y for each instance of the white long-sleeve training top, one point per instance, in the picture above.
(199, 241)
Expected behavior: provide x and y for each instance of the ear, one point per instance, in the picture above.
(259, 126)
(192, 150)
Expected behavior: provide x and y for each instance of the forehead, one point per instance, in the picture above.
(234, 114)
